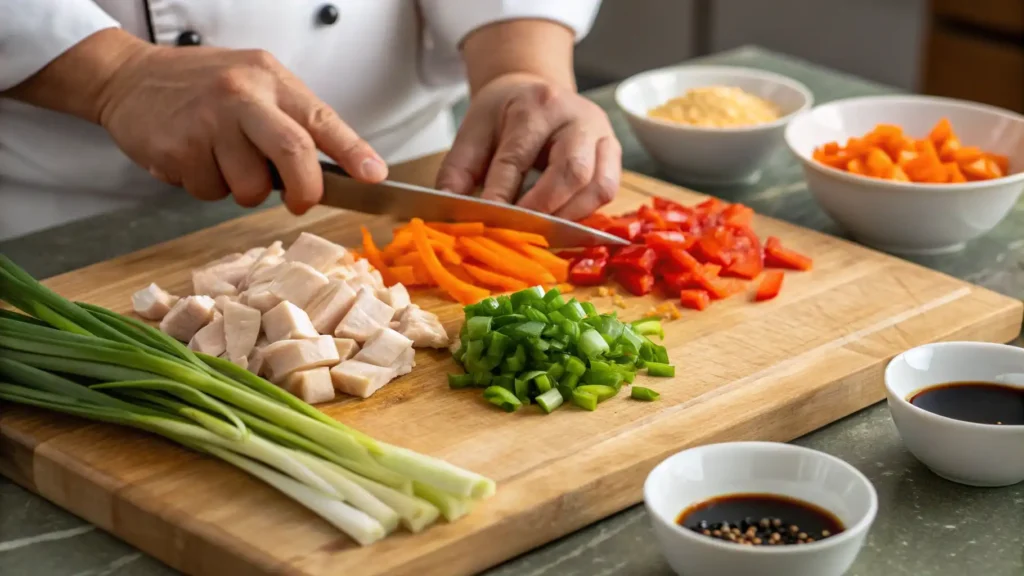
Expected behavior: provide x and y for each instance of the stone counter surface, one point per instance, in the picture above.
(926, 526)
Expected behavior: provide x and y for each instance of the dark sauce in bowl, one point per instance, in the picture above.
(978, 402)
(760, 520)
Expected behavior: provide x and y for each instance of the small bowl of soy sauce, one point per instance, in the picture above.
(764, 508)
(959, 408)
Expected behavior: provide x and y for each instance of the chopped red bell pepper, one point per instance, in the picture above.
(666, 204)
(589, 272)
(769, 286)
(596, 252)
(651, 216)
(776, 256)
(597, 221)
(676, 282)
(695, 299)
(636, 282)
(683, 259)
(636, 257)
(625, 228)
(738, 215)
(664, 240)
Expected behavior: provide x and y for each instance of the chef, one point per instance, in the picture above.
(108, 103)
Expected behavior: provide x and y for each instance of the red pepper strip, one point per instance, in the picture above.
(776, 256)
(636, 282)
(714, 246)
(650, 215)
(588, 272)
(597, 221)
(684, 259)
(769, 286)
(675, 282)
(666, 204)
(635, 257)
(595, 252)
(707, 282)
(664, 240)
(729, 286)
(738, 215)
(695, 299)
(625, 228)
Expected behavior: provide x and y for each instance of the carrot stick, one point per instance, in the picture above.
(447, 253)
(404, 275)
(506, 236)
(459, 272)
(501, 263)
(400, 244)
(458, 228)
(422, 275)
(557, 266)
(491, 278)
(410, 259)
(373, 255)
(518, 260)
(441, 237)
(463, 292)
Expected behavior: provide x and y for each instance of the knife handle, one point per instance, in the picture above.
(277, 183)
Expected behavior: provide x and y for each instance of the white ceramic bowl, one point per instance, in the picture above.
(902, 217)
(714, 156)
(963, 452)
(698, 474)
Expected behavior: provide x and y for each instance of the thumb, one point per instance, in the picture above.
(466, 163)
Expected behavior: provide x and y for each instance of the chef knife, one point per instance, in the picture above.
(405, 201)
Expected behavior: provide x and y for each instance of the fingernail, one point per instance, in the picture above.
(373, 169)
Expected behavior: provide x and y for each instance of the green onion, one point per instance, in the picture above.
(457, 381)
(649, 326)
(584, 400)
(592, 344)
(661, 370)
(502, 398)
(599, 391)
(645, 394)
(550, 400)
(478, 327)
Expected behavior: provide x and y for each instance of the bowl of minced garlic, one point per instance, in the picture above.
(717, 107)
(711, 125)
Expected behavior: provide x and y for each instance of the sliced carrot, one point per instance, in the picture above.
(447, 253)
(878, 163)
(404, 275)
(463, 292)
(459, 272)
(1003, 162)
(942, 130)
(374, 257)
(977, 170)
(899, 175)
(441, 237)
(491, 278)
(506, 236)
(558, 267)
(856, 166)
(967, 154)
(947, 152)
(505, 260)
(400, 244)
(955, 174)
(422, 275)
(408, 259)
(458, 228)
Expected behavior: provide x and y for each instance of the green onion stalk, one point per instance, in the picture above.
(90, 362)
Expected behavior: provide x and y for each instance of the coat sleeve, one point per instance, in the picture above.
(450, 21)
(35, 32)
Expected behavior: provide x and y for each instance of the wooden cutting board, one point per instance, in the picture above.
(764, 371)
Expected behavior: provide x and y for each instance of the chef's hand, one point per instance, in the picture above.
(518, 121)
(209, 119)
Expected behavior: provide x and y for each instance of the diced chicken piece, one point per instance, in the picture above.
(225, 259)
(220, 301)
(330, 305)
(276, 248)
(298, 283)
(153, 302)
(209, 339)
(187, 316)
(205, 282)
(405, 363)
(240, 361)
(384, 348)
(255, 253)
(378, 279)
(347, 348)
(359, 378)
(399, 298)
(315, 251)
(364, 276)
(312, 386)
(286, 356)
(340, 272)
(260, 297)
(241, 329)
(423, 328)
(256, 361)
(455, 345)
(264, 271)
(286, 321)
(231, 270)
(366, 316)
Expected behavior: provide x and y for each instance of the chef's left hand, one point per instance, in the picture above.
(518, 121)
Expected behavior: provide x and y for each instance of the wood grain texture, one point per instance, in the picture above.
(767, 371)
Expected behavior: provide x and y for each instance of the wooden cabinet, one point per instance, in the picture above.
(975, 51)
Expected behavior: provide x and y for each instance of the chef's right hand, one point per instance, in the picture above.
(209, 119)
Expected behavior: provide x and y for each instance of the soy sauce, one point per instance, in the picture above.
(760, 520)
(978, 402)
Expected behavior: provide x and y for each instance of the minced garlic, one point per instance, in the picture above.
(717, 107)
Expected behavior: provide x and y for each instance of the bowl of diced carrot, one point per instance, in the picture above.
(911, 174)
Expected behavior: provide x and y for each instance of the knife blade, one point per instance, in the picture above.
(405, 201)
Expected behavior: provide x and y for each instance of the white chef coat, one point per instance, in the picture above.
(391, 68)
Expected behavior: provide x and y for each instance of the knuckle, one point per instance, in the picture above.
(233, 82)
(545, 94)
(577, 172)
(321, 118)
(295, 143)
(606, 189)
(260, 59)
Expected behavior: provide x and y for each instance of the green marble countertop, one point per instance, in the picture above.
(926, 526)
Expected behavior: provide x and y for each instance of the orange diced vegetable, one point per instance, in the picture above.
(403, 275)
(491, 278)
(463, 292)
(1001, 161)
(695, 299)
(856, 166)
(558, 267)
(879, 163)
(770, 285)
(942, 130)
(947, 152)
(954, 172)
(525, 269)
